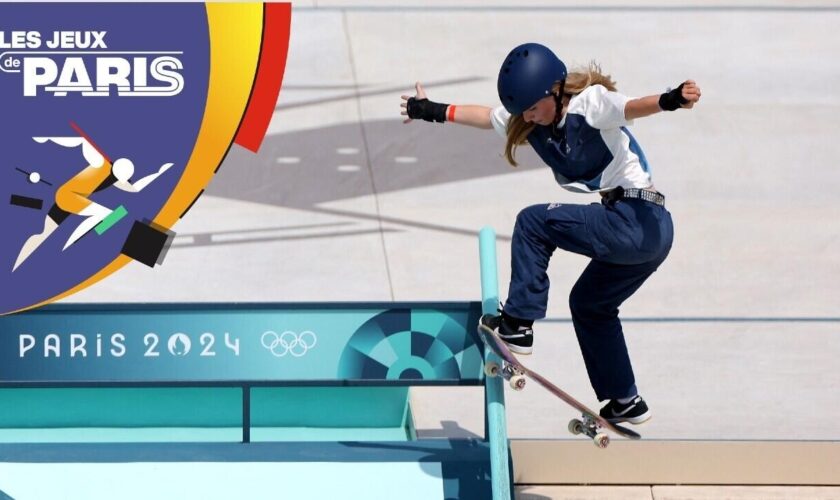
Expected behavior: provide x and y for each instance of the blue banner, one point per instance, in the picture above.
(229, 343)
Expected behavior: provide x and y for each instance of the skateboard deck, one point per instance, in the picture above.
(515, 372)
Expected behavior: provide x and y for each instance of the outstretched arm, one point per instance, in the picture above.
(472, 115)
(138, 186)
(420, 107)
(683, 96)
(92, 155)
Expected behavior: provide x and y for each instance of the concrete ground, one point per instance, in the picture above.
(735, 337)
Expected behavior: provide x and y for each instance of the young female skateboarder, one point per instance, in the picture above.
(576, 122)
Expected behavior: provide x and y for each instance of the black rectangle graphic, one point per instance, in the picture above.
(27, 202)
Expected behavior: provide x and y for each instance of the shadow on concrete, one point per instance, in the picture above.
(301, 169)
(308, 169)
(522, 494)
(448, 429)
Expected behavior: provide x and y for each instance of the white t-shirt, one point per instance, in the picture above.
(591, 149)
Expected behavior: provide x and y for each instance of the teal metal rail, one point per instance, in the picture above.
(494, 390)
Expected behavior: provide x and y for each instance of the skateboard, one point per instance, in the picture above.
(512, 370)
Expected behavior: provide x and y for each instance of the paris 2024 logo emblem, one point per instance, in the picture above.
(116, 118)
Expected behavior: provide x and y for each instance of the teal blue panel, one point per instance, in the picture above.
(461, 464)
(199, 434)
(122, 435)
(224, 481)
(114, 343)
(471, 361)
(328, 406)
(428, 321)
(401, 342)
(411, 367)
(383, 353)
(438, 353)
(367, 434)
(121, 407)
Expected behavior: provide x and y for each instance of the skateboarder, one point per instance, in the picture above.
(576, 122)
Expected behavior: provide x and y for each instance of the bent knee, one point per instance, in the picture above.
(70, 201)
(583, 304)
(528, 216)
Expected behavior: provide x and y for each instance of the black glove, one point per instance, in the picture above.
(427, 110)
(672, 100)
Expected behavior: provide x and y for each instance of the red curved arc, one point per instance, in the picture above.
(270, 70)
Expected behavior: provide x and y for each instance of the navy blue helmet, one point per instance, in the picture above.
(527, 75)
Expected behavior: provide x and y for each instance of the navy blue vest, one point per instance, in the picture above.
(576, 151)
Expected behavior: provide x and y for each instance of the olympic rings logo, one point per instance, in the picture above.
(288, 342)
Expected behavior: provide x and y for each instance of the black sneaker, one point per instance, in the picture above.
(634, 412)
(519, 340)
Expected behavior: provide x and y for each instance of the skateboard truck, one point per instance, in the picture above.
(589, 427)
(514, 376)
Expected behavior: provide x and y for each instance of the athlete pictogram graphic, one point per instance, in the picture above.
(72, 197)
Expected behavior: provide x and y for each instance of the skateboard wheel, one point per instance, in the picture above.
(517, 382)
(491, 369)
(601, 440)
(576, 427)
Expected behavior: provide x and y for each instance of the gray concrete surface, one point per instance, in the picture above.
(734, 338)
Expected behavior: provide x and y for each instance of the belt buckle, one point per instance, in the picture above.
(614, 195)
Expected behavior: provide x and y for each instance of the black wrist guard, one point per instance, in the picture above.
(425, 109)
(672, 100)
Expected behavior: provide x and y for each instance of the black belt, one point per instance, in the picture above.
(618, 193)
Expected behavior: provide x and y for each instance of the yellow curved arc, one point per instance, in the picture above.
(235, 36)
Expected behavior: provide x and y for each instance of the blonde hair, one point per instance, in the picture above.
(576, 82)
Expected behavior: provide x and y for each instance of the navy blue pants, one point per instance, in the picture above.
(627, 240)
